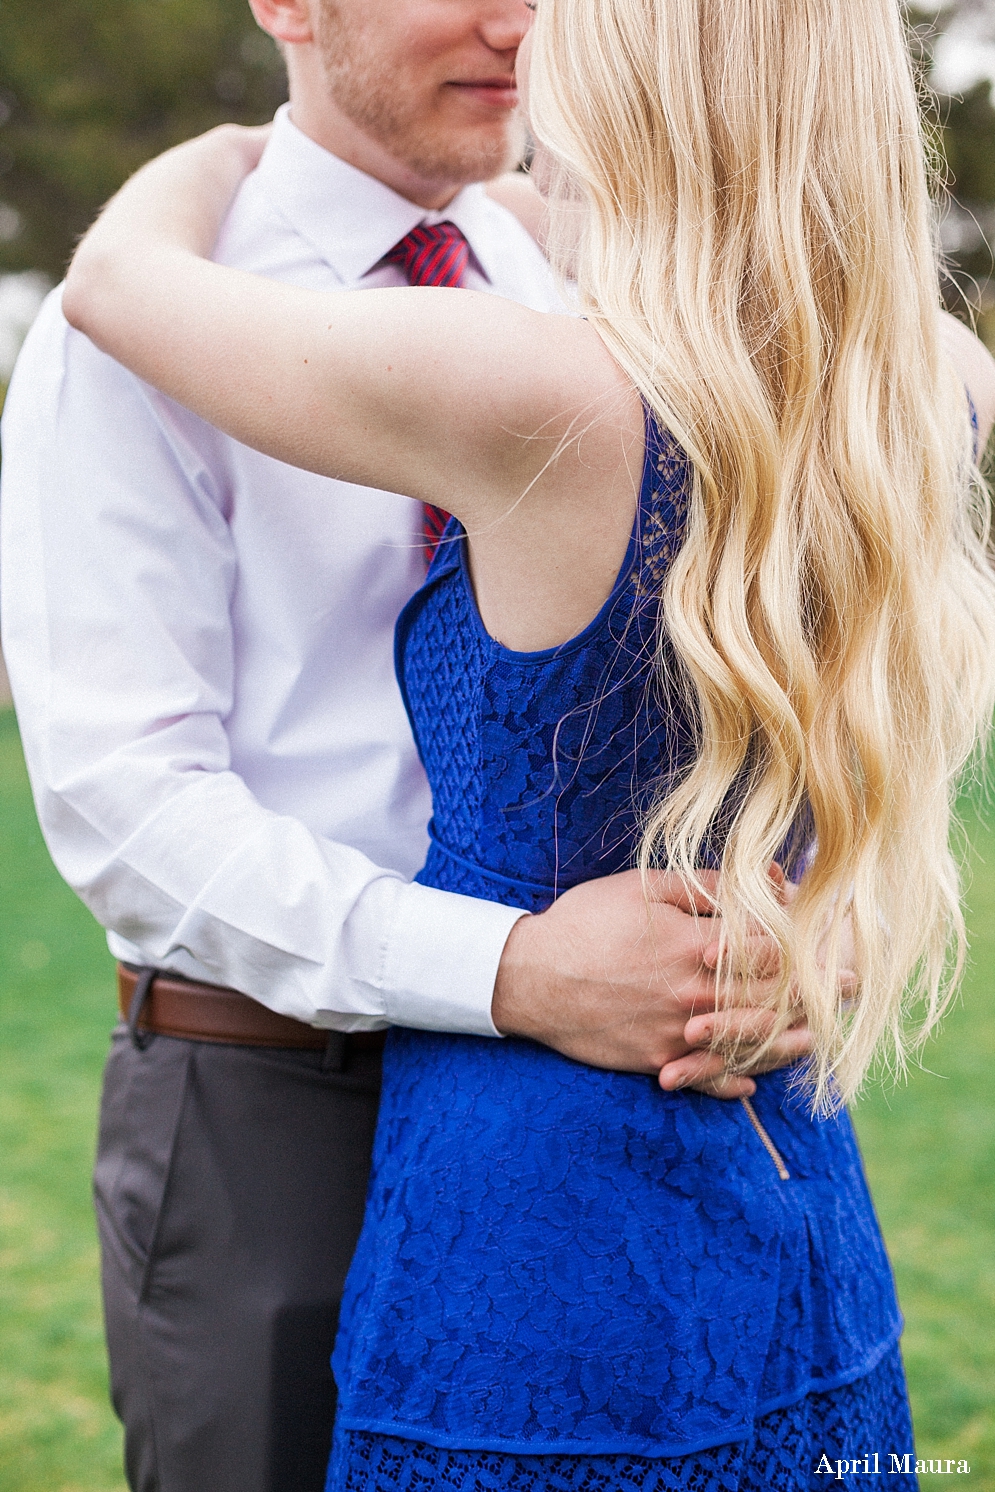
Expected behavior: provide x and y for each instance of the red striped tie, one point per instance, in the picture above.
(436, 255)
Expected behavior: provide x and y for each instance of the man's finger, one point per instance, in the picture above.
(726, 1085)
(726, 1028)
(705, 1072)
(743, 1029)
(666, 886)
(762, 956)
(791, 1046)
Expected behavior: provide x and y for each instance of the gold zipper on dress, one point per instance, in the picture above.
(766, 1140)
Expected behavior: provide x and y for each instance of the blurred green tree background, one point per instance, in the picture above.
(954, 42)
(91, 88)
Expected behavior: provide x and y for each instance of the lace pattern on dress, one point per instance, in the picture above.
(781, 1455)
(557, 1259)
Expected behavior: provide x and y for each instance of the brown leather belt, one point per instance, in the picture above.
(206, 1012)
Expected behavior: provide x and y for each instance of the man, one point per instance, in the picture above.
(200, 646)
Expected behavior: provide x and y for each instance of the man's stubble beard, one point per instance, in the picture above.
(389, 113)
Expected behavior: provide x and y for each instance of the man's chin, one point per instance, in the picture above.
(467, 155)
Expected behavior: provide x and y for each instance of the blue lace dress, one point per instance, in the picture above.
(568, 1279)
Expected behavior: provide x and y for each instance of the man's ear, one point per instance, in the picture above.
(285, 20)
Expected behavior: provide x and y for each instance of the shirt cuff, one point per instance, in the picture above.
(441, 960)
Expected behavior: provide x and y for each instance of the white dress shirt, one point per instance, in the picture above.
(200, 643)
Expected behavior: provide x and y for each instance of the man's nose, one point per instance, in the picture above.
(504, 23)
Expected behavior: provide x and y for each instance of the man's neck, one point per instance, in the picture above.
(330, 129)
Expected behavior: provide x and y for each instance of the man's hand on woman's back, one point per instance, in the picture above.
(619, 980)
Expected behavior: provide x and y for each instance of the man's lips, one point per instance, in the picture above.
(499, 93)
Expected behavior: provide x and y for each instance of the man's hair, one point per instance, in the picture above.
(757, 251)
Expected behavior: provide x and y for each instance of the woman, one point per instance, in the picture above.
(715, 596)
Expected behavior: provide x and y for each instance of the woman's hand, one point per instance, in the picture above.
(975, 368)
(179, 200)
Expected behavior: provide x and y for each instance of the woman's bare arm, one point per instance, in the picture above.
(455, 397)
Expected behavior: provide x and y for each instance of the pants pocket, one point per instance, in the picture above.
(140, 1113)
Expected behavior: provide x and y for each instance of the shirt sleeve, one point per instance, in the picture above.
(118, 571)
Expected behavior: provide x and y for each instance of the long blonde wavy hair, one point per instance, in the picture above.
(757, 251)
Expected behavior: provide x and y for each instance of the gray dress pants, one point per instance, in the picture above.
(229, 1185)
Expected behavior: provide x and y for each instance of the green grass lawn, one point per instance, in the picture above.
(57, 1432)
(930, 1150)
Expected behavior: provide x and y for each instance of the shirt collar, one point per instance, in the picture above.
(349, 218)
